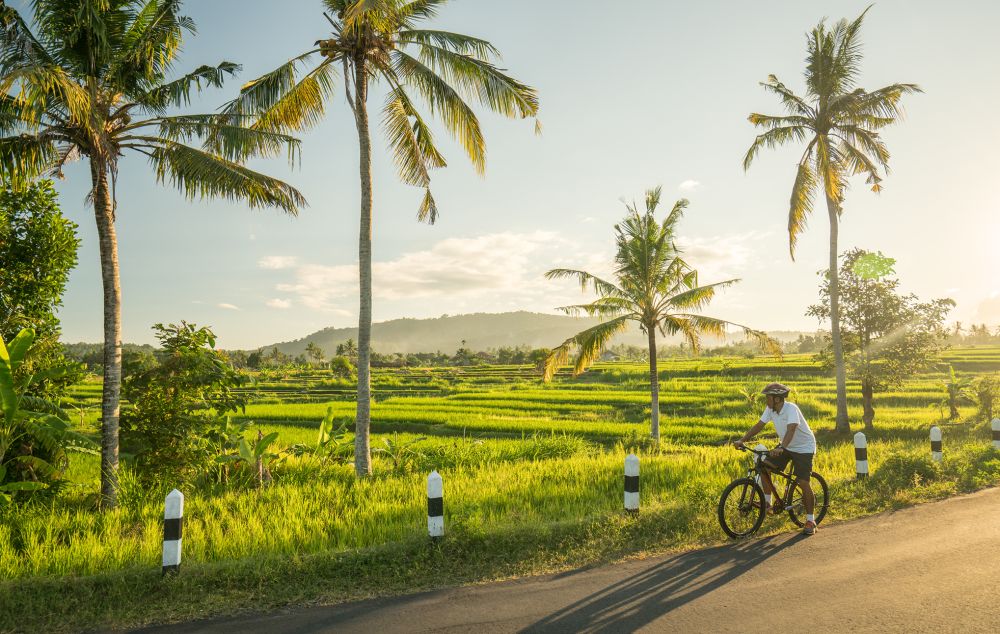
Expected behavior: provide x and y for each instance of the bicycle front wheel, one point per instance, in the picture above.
(797, 509)
(742, 508)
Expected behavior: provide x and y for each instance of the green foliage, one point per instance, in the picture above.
(175, 405)
(342, 367)
(35, 434)
(956, 392)
(38, 249)
(983, 391)
(334, 443)
(887, 336)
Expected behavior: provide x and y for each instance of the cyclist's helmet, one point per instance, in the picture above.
(776, 389)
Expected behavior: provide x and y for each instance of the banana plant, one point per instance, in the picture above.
(334, 443)
(35, 433)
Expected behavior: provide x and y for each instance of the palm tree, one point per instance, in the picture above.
(839, 124)
(654, 286)
(380, 41)
(91, 82)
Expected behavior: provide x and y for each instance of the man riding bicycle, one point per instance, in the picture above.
(798, 445)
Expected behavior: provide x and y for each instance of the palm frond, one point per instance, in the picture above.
(200, 174)
(585, 279)
(773, 138)
(177, 93)
(800, 204)
(428, 211)
(477, 78)
(261, 94)
(588, 346)
(696, 298)
(25, 157)
(792, 102)
(445, 103)
(227, 136)
(456, 42)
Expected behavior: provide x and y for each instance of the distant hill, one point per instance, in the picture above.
(480, 331)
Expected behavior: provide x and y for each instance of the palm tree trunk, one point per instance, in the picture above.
(362, 444)
(111, 391)
(838, 345)
(654, 386)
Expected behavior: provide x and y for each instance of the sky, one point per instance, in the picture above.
(632, 96)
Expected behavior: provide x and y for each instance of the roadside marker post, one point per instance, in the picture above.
(996, 432)
(861, 454)
(435, 505)
(632, 483)
(173, 518)
(936, 453)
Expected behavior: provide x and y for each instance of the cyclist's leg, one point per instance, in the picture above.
(773, 464)
(803, 471)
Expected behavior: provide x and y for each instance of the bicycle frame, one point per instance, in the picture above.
(757, 467)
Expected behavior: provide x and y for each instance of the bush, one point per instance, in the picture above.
(176, 405)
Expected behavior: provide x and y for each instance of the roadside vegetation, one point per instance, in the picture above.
(532, 475)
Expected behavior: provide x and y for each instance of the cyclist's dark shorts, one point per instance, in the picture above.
(803, 463)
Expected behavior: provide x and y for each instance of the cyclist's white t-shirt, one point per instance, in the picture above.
(803, 441)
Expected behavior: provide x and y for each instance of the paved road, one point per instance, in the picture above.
(931, 568)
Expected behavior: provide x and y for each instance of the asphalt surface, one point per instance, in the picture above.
(930, 568)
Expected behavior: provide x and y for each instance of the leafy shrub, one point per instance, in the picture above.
(176, 405)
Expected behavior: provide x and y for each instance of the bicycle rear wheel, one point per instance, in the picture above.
(797, 510)
(742, 508)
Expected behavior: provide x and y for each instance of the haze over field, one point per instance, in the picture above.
(656, 116)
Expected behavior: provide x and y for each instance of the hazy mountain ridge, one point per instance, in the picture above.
(480, 331)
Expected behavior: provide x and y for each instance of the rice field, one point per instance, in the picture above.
(532, 473)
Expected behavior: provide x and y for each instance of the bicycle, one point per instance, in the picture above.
(742, 507)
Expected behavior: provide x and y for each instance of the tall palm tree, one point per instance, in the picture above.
(839, 124)
(654, 286)
(91, 82)
(380, 41)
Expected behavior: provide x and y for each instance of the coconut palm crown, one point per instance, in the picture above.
(652, 285)
(839, 124)
(421, 72)
(89, 79)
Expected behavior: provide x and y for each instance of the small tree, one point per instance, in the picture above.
(984, 391)
(38, 249)
(343, 368)
(652, 285)
(887, 336)
(176, 404)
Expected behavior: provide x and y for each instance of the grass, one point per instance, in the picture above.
(533, 483)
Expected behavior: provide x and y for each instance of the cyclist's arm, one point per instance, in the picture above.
(756, 429)
(789, 434)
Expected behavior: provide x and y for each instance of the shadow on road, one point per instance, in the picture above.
(637, 601)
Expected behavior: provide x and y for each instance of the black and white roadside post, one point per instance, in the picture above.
(632, 484)
(435, 505)
(861, 454)
(173, 518)
(936, 444)
(995, 425)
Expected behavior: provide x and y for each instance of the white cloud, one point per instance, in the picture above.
(228, 306)
(277, 262)
(488, 272)
(689, 185)
(721, 257)
(279, 303)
